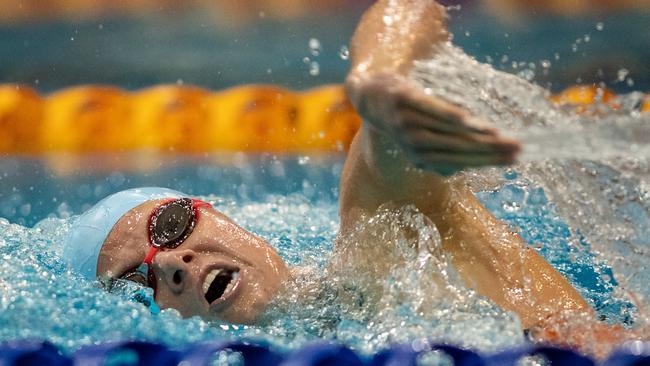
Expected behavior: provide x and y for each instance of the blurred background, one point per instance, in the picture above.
(51, 44)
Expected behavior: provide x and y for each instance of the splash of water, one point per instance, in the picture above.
(593, 167)
(522, 109)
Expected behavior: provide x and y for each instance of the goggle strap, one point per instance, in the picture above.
(150, 254)
(196, 204)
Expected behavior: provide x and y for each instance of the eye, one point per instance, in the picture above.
(137, 277)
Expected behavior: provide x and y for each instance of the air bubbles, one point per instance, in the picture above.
(600, 26)
(315, 47)
(574, 47)
(527, 74)
(304, 160)
(314, 68)
(344, 53)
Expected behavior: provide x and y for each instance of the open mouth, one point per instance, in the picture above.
(219, 283)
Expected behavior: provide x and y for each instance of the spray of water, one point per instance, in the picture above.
(522, 109)
(593, 167)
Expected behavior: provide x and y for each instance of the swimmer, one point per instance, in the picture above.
(201, 262)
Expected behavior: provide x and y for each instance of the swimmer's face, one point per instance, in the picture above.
(250, 272)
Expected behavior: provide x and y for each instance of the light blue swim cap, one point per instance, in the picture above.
(88, 231)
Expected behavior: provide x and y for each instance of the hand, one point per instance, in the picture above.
(578, 330)
(435, 134)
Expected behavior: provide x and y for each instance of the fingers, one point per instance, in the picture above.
(440, 114)
(423, 134)
(436, 134)
(441, 137)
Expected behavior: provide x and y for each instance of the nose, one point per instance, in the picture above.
(173, 268)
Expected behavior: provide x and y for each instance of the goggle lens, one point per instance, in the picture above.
(172, 223)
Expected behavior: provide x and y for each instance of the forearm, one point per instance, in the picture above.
(394, 33)
(376, 171)
(499, 265)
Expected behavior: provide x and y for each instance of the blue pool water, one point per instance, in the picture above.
(290, 201)
(590, 220)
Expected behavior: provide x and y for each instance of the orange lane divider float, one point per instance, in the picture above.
(173, 118)
(581, 97)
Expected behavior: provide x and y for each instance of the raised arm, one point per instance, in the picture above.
(403, 126)
(404, 130)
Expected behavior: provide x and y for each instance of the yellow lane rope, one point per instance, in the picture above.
(189, 119)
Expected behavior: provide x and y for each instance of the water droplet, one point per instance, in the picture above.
(303, 160)
(557, 56)
(587, 38)
(179, 82)
(527, 74)
(306, 60)
(546, 64)
(314, 69)
(467, 34)
(315, 47)
(101, 26)
(600, 26)
(622, 75)
(344, 53)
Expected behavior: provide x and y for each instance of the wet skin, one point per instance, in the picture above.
(215, 243)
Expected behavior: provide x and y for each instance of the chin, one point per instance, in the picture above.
(248, 314)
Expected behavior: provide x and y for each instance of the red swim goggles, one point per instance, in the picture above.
(170, 224)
